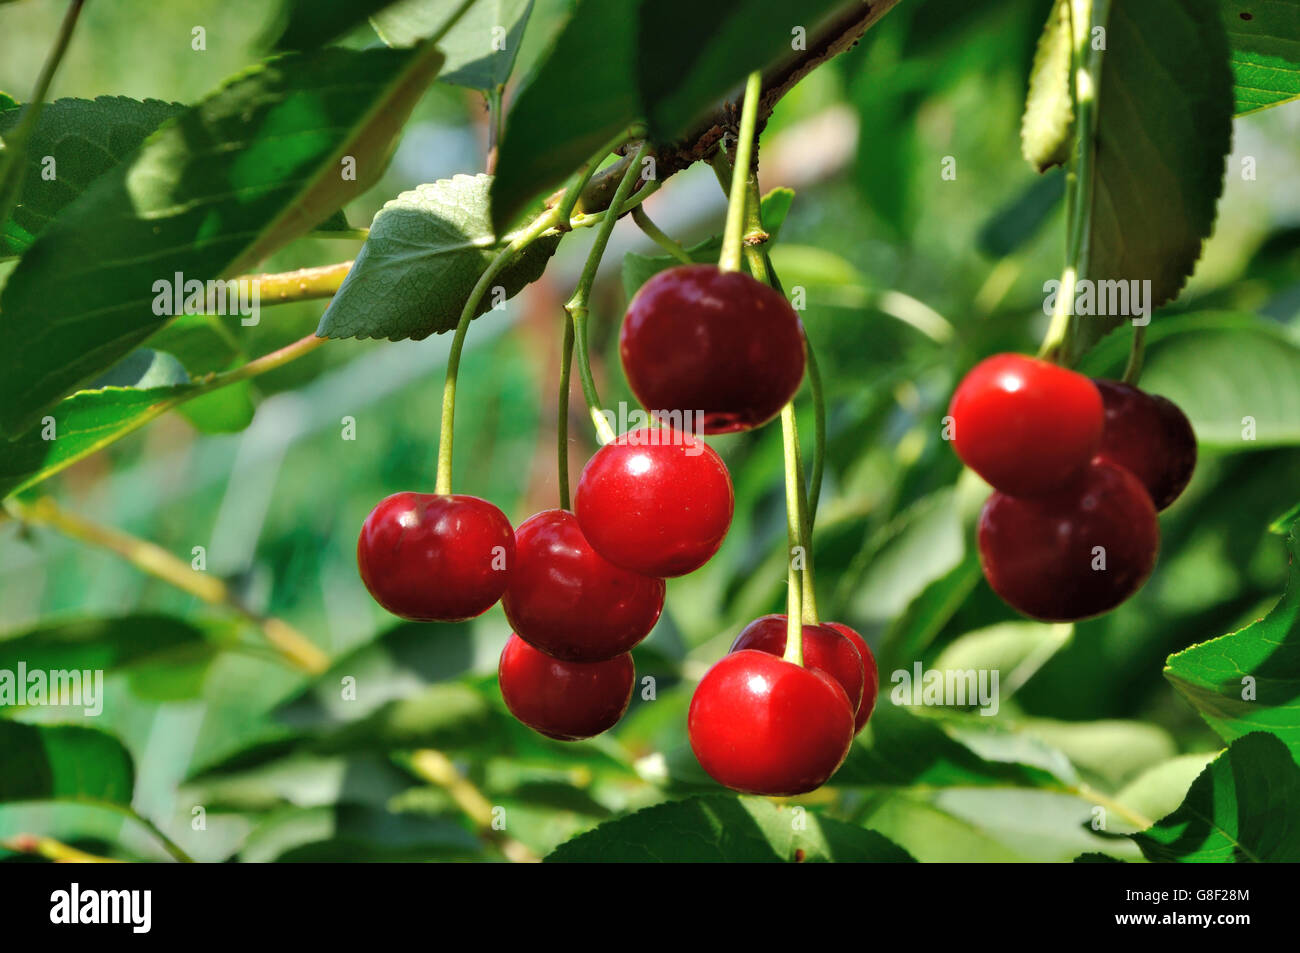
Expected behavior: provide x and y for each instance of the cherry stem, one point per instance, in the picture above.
(1085, 77)
(1136, 354)
(578, 305)
(291, 645)
(657, 235)
(794, 539)
(819, 434)
(521, 241)
(733, 235)
(562, 413)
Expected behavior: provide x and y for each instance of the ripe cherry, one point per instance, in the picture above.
(567, 600)
(564, 700)
(720, 343)
(1026, 426)
(823, 648)
(435, 558)
(870, 675)
(1149, 436)
(657, 502)
(1075, 554)
(762, 725)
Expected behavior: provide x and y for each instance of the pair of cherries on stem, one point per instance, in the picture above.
(1080, 468)
(763, 725)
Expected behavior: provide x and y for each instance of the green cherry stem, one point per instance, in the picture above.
(819, 434)
(657, 235)
(578, 305)
(794, 539)
(733, 235)
(1085, 78)
(562, 413)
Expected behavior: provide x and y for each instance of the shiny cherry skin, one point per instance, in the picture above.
(655, 501)
(718, 343)
(564, 700)
(569, 601)
(762, 725)
(823, 648)
(1026, 426)
(1039, 554)
(1150, 437)
(435, 558)
(870, 674)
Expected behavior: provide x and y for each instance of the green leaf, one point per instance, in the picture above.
(1265, 40)
(63, 762)
(683, 71)
(1164, 130)
(356, 833)
(1012, 226)
(480, 48)
(210, 193)
(165, 658)
(902, 749)
(719, 829)
(579, 97)
(1249, 680)
(308, 24)
(84, 138)
(1108, 750)
(1047, 129)
(426, 251)
(1240, 809)
(1159, 790)
(78, 426)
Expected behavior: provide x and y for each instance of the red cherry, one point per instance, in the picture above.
(1149, 436)
(871, 677)
(564, 700)
(1043, 555)
(719, 343)
(1026, 426)
(570, 602)
(823, 648)
(762, 725)
(657, 502)
(435, 558)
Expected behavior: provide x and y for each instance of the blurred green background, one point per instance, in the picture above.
(910, 279)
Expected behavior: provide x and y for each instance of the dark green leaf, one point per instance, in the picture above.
(481, 47)
(356, 833)
(84, 138)
(426, 251)
(719, 829)
(308, 24)
(165, 658)
(581, 94)
(1250, 680)
(682, 71)
(63, 762)
(1164, 129)
(1013, 225)
(1265, 40)
(1241, 809)
(216, 189)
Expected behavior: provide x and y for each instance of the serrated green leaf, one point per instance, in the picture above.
(1265, 40)
(63, 762)
(1249, 680)
(1047, 129)
(164, 657)
(1159, 790)
(1164, 130)
(426, 251)
(480, 48)
(720, 829)
(78, 426)
(255, 164)
(83, 138)
(1240, 809)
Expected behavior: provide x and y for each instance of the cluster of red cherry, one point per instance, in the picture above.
(581, 589)
(1079, 467)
